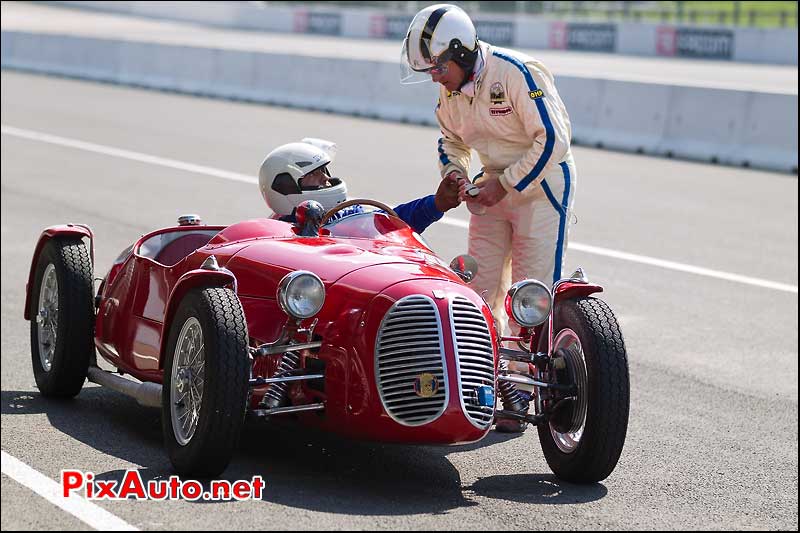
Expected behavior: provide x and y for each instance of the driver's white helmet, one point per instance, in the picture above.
(437, 34)
(280, 173)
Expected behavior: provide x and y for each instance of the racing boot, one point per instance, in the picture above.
(506, 425)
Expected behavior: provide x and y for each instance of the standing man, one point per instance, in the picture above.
(504, 105)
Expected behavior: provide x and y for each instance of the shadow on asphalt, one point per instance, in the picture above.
(536, 488)
(302, 468)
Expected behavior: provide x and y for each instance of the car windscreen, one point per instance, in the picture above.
(375, 226)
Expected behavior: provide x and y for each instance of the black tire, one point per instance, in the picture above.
(74, 344)
(597, 451)
(226, 370)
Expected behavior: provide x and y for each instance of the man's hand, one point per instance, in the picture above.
(489, 190)
(447, 193)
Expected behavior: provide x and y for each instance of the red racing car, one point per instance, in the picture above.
(353, 326)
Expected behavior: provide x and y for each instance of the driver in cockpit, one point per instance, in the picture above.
(296, 172)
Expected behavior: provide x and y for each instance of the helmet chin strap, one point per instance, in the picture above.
(464, 59)
(465, 81)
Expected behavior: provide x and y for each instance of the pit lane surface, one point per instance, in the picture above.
(712, 441)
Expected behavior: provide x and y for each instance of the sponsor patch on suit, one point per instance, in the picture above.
(497, 94)
(500, 111)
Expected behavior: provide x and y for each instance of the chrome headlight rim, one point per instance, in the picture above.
(285, 286)
(518, 289)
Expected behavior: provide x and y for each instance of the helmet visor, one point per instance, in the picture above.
(413, 70)
(420, 70)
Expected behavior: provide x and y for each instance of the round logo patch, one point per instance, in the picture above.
(426, 385)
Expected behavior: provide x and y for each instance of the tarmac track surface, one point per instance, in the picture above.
(712, 440)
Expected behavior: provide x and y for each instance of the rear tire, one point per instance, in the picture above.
(206, 374)
(589, 454)
(62, 317)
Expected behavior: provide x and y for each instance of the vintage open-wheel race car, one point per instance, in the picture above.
(353, 326)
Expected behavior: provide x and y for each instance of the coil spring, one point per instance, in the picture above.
(513, 399)
(276, 392)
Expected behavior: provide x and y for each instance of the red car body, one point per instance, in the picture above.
(400, 349)
(366, 265)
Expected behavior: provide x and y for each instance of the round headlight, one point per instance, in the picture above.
(301, 294)
(528, 302)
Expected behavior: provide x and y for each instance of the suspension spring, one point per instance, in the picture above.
(276, 392)
(513, 399)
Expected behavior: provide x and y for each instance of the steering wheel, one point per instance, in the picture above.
(356, 201)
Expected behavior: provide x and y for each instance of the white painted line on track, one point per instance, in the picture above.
(671, 265)
(127, 154)
(737, 278)
(224, 174)
(82, 509)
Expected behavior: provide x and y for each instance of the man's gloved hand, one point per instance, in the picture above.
(447, 194)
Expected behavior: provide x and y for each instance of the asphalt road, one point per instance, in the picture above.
(712, 441)
(19, 16)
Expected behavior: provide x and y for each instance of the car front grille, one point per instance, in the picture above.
(409, 362)
(474, 358)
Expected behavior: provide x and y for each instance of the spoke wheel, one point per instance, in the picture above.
(187, 381)
(47, 317)
(206, 372)
(62, 317)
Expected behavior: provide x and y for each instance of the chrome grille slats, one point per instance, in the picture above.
(474, 358)
(397, 374)
(423, 403)
(403, 382)
(409, 344)
(403, 350)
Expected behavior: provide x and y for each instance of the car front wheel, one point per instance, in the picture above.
(583, 440)
(205, 385)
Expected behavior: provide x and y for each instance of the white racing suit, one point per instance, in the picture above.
(519, 126)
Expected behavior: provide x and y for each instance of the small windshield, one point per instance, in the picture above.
(375, 225)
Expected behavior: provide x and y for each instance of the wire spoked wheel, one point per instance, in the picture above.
(62, 317)
(205, 389)
(47, 317)
(188, 376)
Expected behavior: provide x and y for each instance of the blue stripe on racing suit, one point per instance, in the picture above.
(563, 212)
(550, 139)
(442, 154)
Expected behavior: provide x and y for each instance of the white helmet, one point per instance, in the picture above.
(438, 34)
(280, 173)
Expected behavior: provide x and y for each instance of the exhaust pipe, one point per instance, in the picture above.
(147, 394)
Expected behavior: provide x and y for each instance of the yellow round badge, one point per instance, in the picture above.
(426, 385)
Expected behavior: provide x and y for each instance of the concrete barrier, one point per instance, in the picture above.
(769, 136)
(757, 45)
(618, 115)
(726, 126)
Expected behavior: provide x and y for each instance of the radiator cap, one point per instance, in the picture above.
(189, 220)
